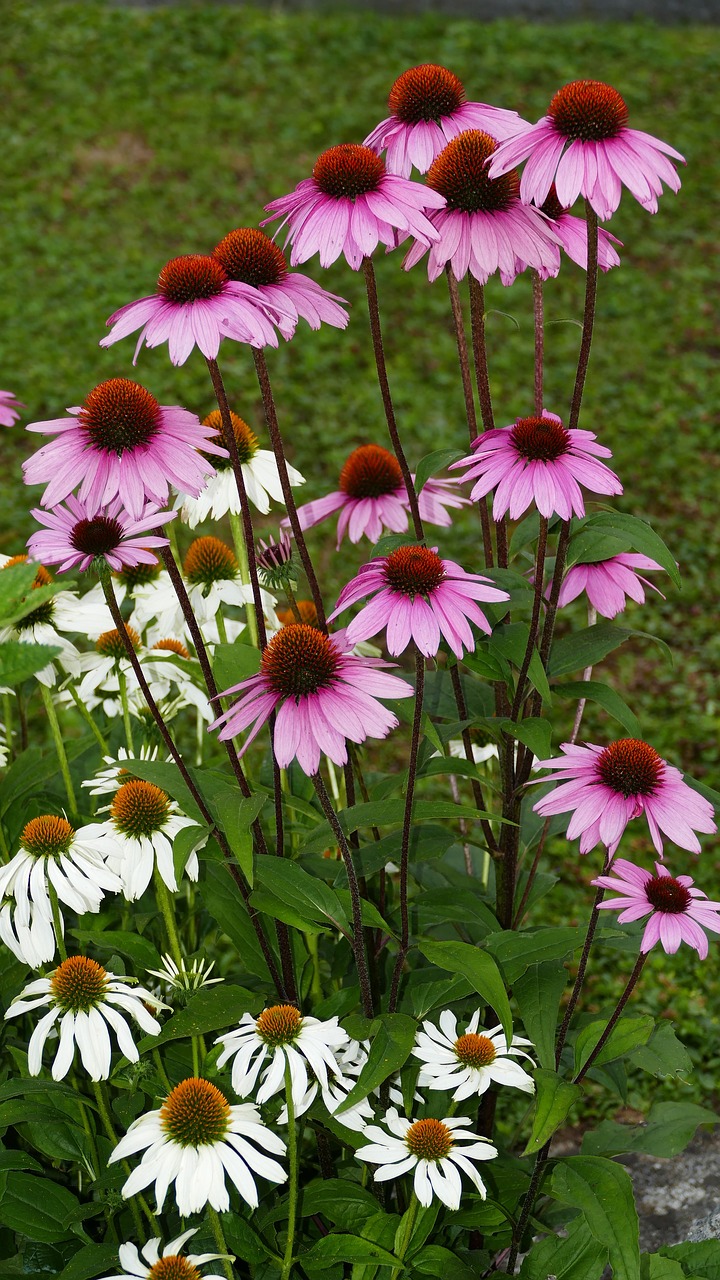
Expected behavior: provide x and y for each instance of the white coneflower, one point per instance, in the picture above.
(85, 1000)
(150, 1264)
(195, 1140)
(437, 1150)
(220, 494)
(184, 977)
(281, 1034)
(107, 780)
(143, 824)
(73, 862)
(469, 1063)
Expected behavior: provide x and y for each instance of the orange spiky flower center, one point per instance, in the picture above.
(429, 1140)
(280, 1024)
(348, 171)
(140, 809)
(415, 571)
(245, 439)
(667, 895)
(474, 1050)
(307, 611)
(460, 174)
(195, 1113)
(209, 560)
(300, 660)
(191, 276)
(370, 472)
(110, 643)
(588, 111)
(248, 255)
(78, 984)
(428, 92)
(173, 1267)
(172, 646)
(47, 836)
(119, 415)
(631, 767)
(540, 439)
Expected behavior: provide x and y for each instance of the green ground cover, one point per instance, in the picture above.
(129, 136)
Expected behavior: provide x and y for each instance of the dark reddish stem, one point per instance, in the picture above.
(531, 876)
(377, 341)
(538, 317)
(534, 620)
(580, 975)
(631, 982)
(469, 756)
(482, 377)
(464, 361)
(271, 418)
(591, 280)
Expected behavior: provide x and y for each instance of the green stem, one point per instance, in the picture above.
(220, 624)
(59, 747)
(238, 537)
(7, 717)
(165, 904)
(57, 921)
(196, 1056)
(161, 1070)
(410, 1220)
(216, 1224)
(108, 1126)
(122, 685)
(293, 1182)
(89, 720)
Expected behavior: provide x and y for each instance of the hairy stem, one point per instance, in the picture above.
(406, 831)
(538, 318)
(591, 279)
(464, 362)
(632, 980)
(59, 745)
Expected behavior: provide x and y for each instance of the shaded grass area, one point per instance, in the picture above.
(130, 136)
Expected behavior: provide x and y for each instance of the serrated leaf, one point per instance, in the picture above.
(603, 1191)
(19, 661)
(664, 1054)
(212, 1009)
(432, 463)
(480, 970)
(389, 1050)
(578, 1257)
(310, 897)
(698, 1258)
(606, 697)
(585, 648)
(669, 1128)
(628, 1034)
(515, 951)
(555, 1099)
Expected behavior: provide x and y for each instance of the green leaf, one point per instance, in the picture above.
(235, 815)
(390, 1048)
(514, 951)
(133, 945)
(603, 1191)
(368, 912)
(25, 774)
(664, 1054)
(225, 903)
(626, 1035)
(342, 1248)
(243, 1240)
(653, 1267)
(698, 1258)
(186, 842)
(606, 697)
(18, 1160)
(480, 970)
(380, 813)
(578, 1257)
(168, 778)
(555, 1098)
(89, 1262)
(233, 663)
(212, 1009)
(346, 1204)
(669, 1128)
(434, 462)
(584, 648)
(533, 732)
(391, 541)
(438, 1262)
(538, 992)
(511, 642)
(15, 584)
(37, 1208)
(19, 661)
(637, 535)
(308, 896)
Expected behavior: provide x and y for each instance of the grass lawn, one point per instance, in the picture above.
(128, 137)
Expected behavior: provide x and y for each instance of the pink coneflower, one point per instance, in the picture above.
(323, 694)
(195, 303)
(678, 912)
(418, 597)
(77, 534)
(484, 227)
(608, 583)
(602, 155)
(429, 108)
(250, 257)
(121, 443)
(9, 408)
(372, 498)
(538, 460)
(572, 234)
(350, 205)
(604, 787)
